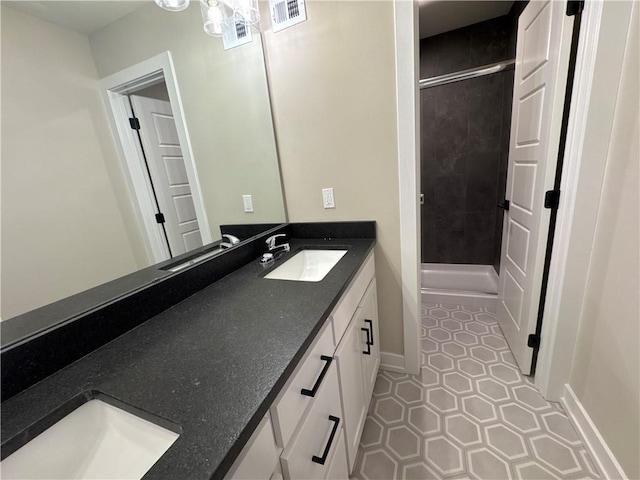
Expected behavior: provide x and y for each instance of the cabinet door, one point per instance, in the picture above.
(349, 360)
(370, 363)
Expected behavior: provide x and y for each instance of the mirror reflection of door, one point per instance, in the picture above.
(167, 174)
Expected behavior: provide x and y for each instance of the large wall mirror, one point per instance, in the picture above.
(76, 211)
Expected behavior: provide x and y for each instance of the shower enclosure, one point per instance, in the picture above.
(466, 96)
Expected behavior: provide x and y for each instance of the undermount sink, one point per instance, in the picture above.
(96, 440)
(307, 265)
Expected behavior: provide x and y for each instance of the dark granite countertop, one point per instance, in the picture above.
(211, 364)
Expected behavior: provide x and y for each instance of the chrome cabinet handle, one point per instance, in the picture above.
(314, 390)
(323, 458)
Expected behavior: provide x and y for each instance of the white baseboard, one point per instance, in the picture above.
(392, 362)
(593, 441)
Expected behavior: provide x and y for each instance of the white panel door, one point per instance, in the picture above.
(168, 173)
(540, 77)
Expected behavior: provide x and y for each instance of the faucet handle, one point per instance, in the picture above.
(232, 238)
(271, 241)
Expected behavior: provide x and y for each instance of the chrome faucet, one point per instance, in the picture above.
(232, 240)
(271, 244)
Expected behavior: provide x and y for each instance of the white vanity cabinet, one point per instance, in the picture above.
(317, 449)
(316, 421)
(370, 362)
(358, 359)
(259, 458)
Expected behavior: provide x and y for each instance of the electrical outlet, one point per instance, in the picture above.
(248, 203)
(327, 198)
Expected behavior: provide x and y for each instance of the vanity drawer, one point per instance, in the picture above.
(339, 467)
(347, 305)
(320, 437)
(292, 403)
(259, 459)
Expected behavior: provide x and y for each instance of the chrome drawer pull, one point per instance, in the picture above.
(314, 390)
(323, 458)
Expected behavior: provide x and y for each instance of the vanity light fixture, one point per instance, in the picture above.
(220, 17)
(216, 17)
(247, 11)
(173, 5)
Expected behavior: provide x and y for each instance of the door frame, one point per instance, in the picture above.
(567, 276)
(114, 88)
(591, 117)
(408, 131)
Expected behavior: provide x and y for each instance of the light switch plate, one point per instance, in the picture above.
(327, 198)
(248, 203)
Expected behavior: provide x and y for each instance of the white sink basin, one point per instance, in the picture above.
(96, 440)
(307, 265)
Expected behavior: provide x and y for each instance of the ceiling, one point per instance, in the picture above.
(439, 16)
(82, 17)
(87, 17)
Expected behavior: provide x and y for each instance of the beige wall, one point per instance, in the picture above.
(333, 93)
(226, 106)
(159, 92)
(62, 226)
(606, 367)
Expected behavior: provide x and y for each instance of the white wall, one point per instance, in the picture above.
(226, 105)
(333, 93)
(63, 228)
(606, 367)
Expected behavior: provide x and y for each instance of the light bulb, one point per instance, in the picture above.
(213, 18)
(173, 5)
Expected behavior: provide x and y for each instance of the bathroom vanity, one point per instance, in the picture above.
(261, 378)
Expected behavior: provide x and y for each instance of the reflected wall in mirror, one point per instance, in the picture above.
(70, 217)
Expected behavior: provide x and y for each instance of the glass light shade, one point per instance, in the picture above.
(216, 17)
(173, 5)
(246, 11)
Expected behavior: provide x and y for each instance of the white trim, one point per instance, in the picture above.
(590, 436)
(113, 88)
(548, 366)
(392, 362)
(577, 212)
(406, 44)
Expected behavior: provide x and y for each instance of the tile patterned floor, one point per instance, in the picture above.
(470, 414)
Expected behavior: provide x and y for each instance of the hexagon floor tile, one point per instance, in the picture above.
(470, 414)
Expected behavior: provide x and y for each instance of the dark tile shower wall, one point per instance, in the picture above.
(465, 143)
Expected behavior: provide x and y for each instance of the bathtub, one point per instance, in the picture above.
(470, 285)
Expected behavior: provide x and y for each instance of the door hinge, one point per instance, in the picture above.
(574, 7)
(159, 218)
(552, 199)
(135, 123)
(504, 205)
(533, 341)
